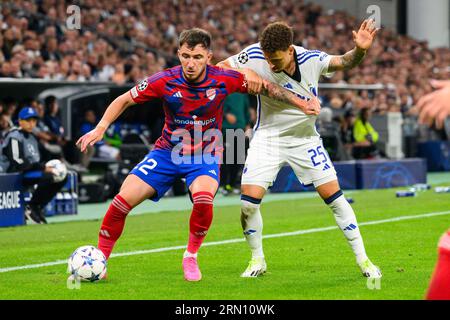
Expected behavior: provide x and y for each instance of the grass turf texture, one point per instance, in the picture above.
(309, 266)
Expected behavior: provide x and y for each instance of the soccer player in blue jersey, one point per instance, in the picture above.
(193, 95)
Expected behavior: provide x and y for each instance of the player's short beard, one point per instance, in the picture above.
(196, 78)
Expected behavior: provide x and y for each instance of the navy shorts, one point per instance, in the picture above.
(160, 171)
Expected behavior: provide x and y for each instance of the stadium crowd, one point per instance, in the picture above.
(123, 41)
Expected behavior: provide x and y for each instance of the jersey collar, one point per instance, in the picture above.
(297, 75)
(194, 84)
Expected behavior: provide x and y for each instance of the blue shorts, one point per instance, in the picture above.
(160, 172)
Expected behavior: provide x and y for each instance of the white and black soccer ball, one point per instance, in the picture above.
(87, 263)
(59, 169)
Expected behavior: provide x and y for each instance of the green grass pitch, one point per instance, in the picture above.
(316, 265)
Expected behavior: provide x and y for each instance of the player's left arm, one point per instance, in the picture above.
(277, 92)
(274, 91)
(363, 40)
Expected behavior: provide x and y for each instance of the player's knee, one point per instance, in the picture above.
(327, 189)
(249, 205)
(203, 197)
(329, 200)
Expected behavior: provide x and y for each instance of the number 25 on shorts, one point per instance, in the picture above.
(317, 152)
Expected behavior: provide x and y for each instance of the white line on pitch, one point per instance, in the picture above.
(216, 243)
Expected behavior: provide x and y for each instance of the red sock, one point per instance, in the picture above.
(113, 224)
(201, 218)
(440, 283)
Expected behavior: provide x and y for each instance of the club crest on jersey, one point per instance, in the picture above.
(211, 94)
(243, 57)
(142, 85)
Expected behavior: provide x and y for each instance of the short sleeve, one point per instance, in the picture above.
(324, 62)
(314, 62)
(250, 57)
(236, 82)
(148, 89)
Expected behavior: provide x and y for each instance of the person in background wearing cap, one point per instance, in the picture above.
(21, 152)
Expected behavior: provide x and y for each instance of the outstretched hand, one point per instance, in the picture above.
(365, 35)
(90, 138)
(434, 107)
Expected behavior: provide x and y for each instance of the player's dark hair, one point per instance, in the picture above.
(276, 36)
(195, 36)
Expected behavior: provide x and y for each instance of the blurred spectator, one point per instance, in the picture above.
(53, 122)
(51, 118)
(337, 106)
(346, 131)
(113, 136)
(133, 44)
(4, 127)
(235, 124)
(329, 132)
(365, 136)
(47, 138)
(9, 111)
(21, 152)
(102, 148)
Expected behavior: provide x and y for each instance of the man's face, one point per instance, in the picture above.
(366, 114)
(4, 124)
(351, 119)
(279, 60)
(90, 117)
(40, 109)
(194, 61)
(28, 125)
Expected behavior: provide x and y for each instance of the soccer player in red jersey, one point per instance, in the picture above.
(193, 95)
(440, 283)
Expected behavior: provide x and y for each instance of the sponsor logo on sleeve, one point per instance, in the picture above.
(134, 92)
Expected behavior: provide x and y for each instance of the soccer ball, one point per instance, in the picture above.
(59, 169)
(87, 263)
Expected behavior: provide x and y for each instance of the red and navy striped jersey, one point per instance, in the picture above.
(189, 105)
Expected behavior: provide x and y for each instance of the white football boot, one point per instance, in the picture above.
(256, 267)
(370, 270)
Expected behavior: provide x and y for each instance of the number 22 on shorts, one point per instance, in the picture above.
(149, 165)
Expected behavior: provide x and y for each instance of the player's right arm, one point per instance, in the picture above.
(146, 90)
(114, 110)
